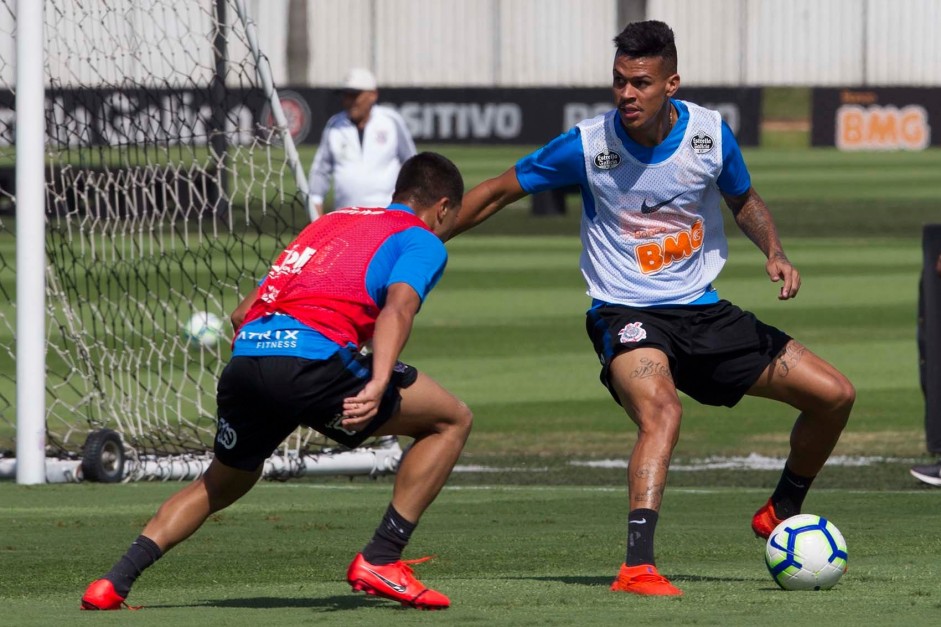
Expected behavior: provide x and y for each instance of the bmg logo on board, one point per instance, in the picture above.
(878, 127)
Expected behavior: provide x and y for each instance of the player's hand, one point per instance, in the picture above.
(780, 269)
(360, 409)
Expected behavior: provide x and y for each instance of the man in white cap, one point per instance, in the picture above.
(362, 148)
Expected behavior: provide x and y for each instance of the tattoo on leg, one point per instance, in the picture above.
(651, 368)
(651, 496)
(653, 472)
(788, 358)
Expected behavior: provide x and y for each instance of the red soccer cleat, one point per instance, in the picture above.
(644, 580)
(100, 595)
(765, 520)
(394, 581)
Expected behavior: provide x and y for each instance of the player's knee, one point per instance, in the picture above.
(454, 422)
(218, 494)
(226, 486)
(844, 397)
(834, 400)
(661, 419)
(463, 419)
(840, 394)
(848, 393)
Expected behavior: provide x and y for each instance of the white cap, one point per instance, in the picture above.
(359, 79)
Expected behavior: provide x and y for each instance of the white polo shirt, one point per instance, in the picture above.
(364, 172)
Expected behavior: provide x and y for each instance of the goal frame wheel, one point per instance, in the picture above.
(103, 457)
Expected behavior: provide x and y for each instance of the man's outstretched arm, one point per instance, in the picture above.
(487, 198)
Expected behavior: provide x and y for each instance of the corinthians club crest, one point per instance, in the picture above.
(632, 332)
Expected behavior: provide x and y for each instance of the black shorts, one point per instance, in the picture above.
(716, 352)
(262, 400)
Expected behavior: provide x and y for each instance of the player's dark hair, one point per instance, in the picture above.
(427, 177)
(648, 39)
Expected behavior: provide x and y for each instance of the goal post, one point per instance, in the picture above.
(264, 75)
(168, 181)
(30, 249)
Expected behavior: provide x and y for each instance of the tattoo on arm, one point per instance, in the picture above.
(788, 358)
(650, 368)
(754, 219)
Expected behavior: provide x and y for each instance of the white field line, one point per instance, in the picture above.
(753, 461)
(480, 468)
(932, 493)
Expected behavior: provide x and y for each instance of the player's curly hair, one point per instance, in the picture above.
(427, 177)
(648, 39)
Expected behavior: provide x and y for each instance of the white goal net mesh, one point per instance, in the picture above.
(168, 193)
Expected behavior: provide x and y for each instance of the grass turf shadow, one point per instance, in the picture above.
(337, 603)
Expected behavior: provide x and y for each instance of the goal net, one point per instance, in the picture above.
(170, 186)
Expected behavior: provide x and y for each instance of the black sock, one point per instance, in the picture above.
(142, 553)
(641, 525)
(789, 495)
(390, 539)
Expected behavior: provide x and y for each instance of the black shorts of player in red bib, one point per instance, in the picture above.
(716, 351)
(262, 400)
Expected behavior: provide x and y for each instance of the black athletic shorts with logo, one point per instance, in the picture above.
(716, 352)
(261, 400)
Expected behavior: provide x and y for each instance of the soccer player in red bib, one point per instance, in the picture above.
(652, 174)
(354, 276)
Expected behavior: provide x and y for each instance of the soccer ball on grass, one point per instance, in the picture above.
(203, 329)
(806, 552)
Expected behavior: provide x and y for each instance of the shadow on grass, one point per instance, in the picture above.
(575, 581)
(697, 578)
(325, 604)
(606, 581)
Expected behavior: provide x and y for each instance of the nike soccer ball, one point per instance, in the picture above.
(203, 329)
(806, 552)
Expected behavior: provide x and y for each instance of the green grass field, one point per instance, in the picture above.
(507, 555)
(529, 532)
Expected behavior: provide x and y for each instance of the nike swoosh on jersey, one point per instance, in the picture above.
(642, 521)
(645, 208)
(395, 586)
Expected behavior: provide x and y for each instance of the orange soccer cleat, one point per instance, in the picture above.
(765, 520)
(394, 581)
(644, 579)
(100, 595)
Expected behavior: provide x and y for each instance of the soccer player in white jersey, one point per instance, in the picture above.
(652, 173)
(361, 150)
